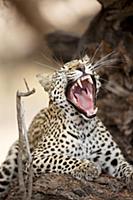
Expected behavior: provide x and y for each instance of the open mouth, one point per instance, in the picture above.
(82, 94)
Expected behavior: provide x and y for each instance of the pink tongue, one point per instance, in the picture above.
(85, 102)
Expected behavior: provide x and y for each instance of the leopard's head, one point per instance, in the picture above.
(76, 83)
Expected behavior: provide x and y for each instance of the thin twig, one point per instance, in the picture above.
(23, 142)
(20, 164)
(30, 170)
(26, 84)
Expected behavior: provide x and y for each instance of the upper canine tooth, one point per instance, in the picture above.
(83, 78)
(79, 83)
(87, 77)
(90, 79)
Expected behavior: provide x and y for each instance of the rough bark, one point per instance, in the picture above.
(112, 26)
(64, 187)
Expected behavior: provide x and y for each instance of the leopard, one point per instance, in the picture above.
(67, 137)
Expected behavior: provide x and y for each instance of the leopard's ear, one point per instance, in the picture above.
(45, 81)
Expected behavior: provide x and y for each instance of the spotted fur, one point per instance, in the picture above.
(62, 140)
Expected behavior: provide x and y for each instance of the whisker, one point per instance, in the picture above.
(117, 89)
(105, 86)
(114, 87)
(61, 61)
(108, 62)
(95, 52)
(50, 59)
(106, 59)
(107, 81)
(107, 56)
(102, 79)
(45, 65)
(82, 53)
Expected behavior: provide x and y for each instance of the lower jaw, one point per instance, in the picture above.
(82, 113)
(86, 116)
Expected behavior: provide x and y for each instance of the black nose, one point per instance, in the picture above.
(82, 69)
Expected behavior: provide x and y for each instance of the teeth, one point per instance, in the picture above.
(90, 79)
(84, 77)
(93, 113)
(96, 109)
(73, 87)
(91, 96)
(75, 100)
(87, 77)
(79, 83)
(88, 113)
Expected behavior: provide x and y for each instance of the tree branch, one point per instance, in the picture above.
(24, 148)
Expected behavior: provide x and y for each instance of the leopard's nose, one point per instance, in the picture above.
(82, 69)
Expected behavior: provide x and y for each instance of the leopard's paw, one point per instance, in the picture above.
(87, 170)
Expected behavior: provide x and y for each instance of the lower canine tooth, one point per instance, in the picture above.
(88, 113)
(96, 109)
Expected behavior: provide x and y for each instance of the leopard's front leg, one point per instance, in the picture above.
(111, 159)
(80, 169)
(116, 165)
